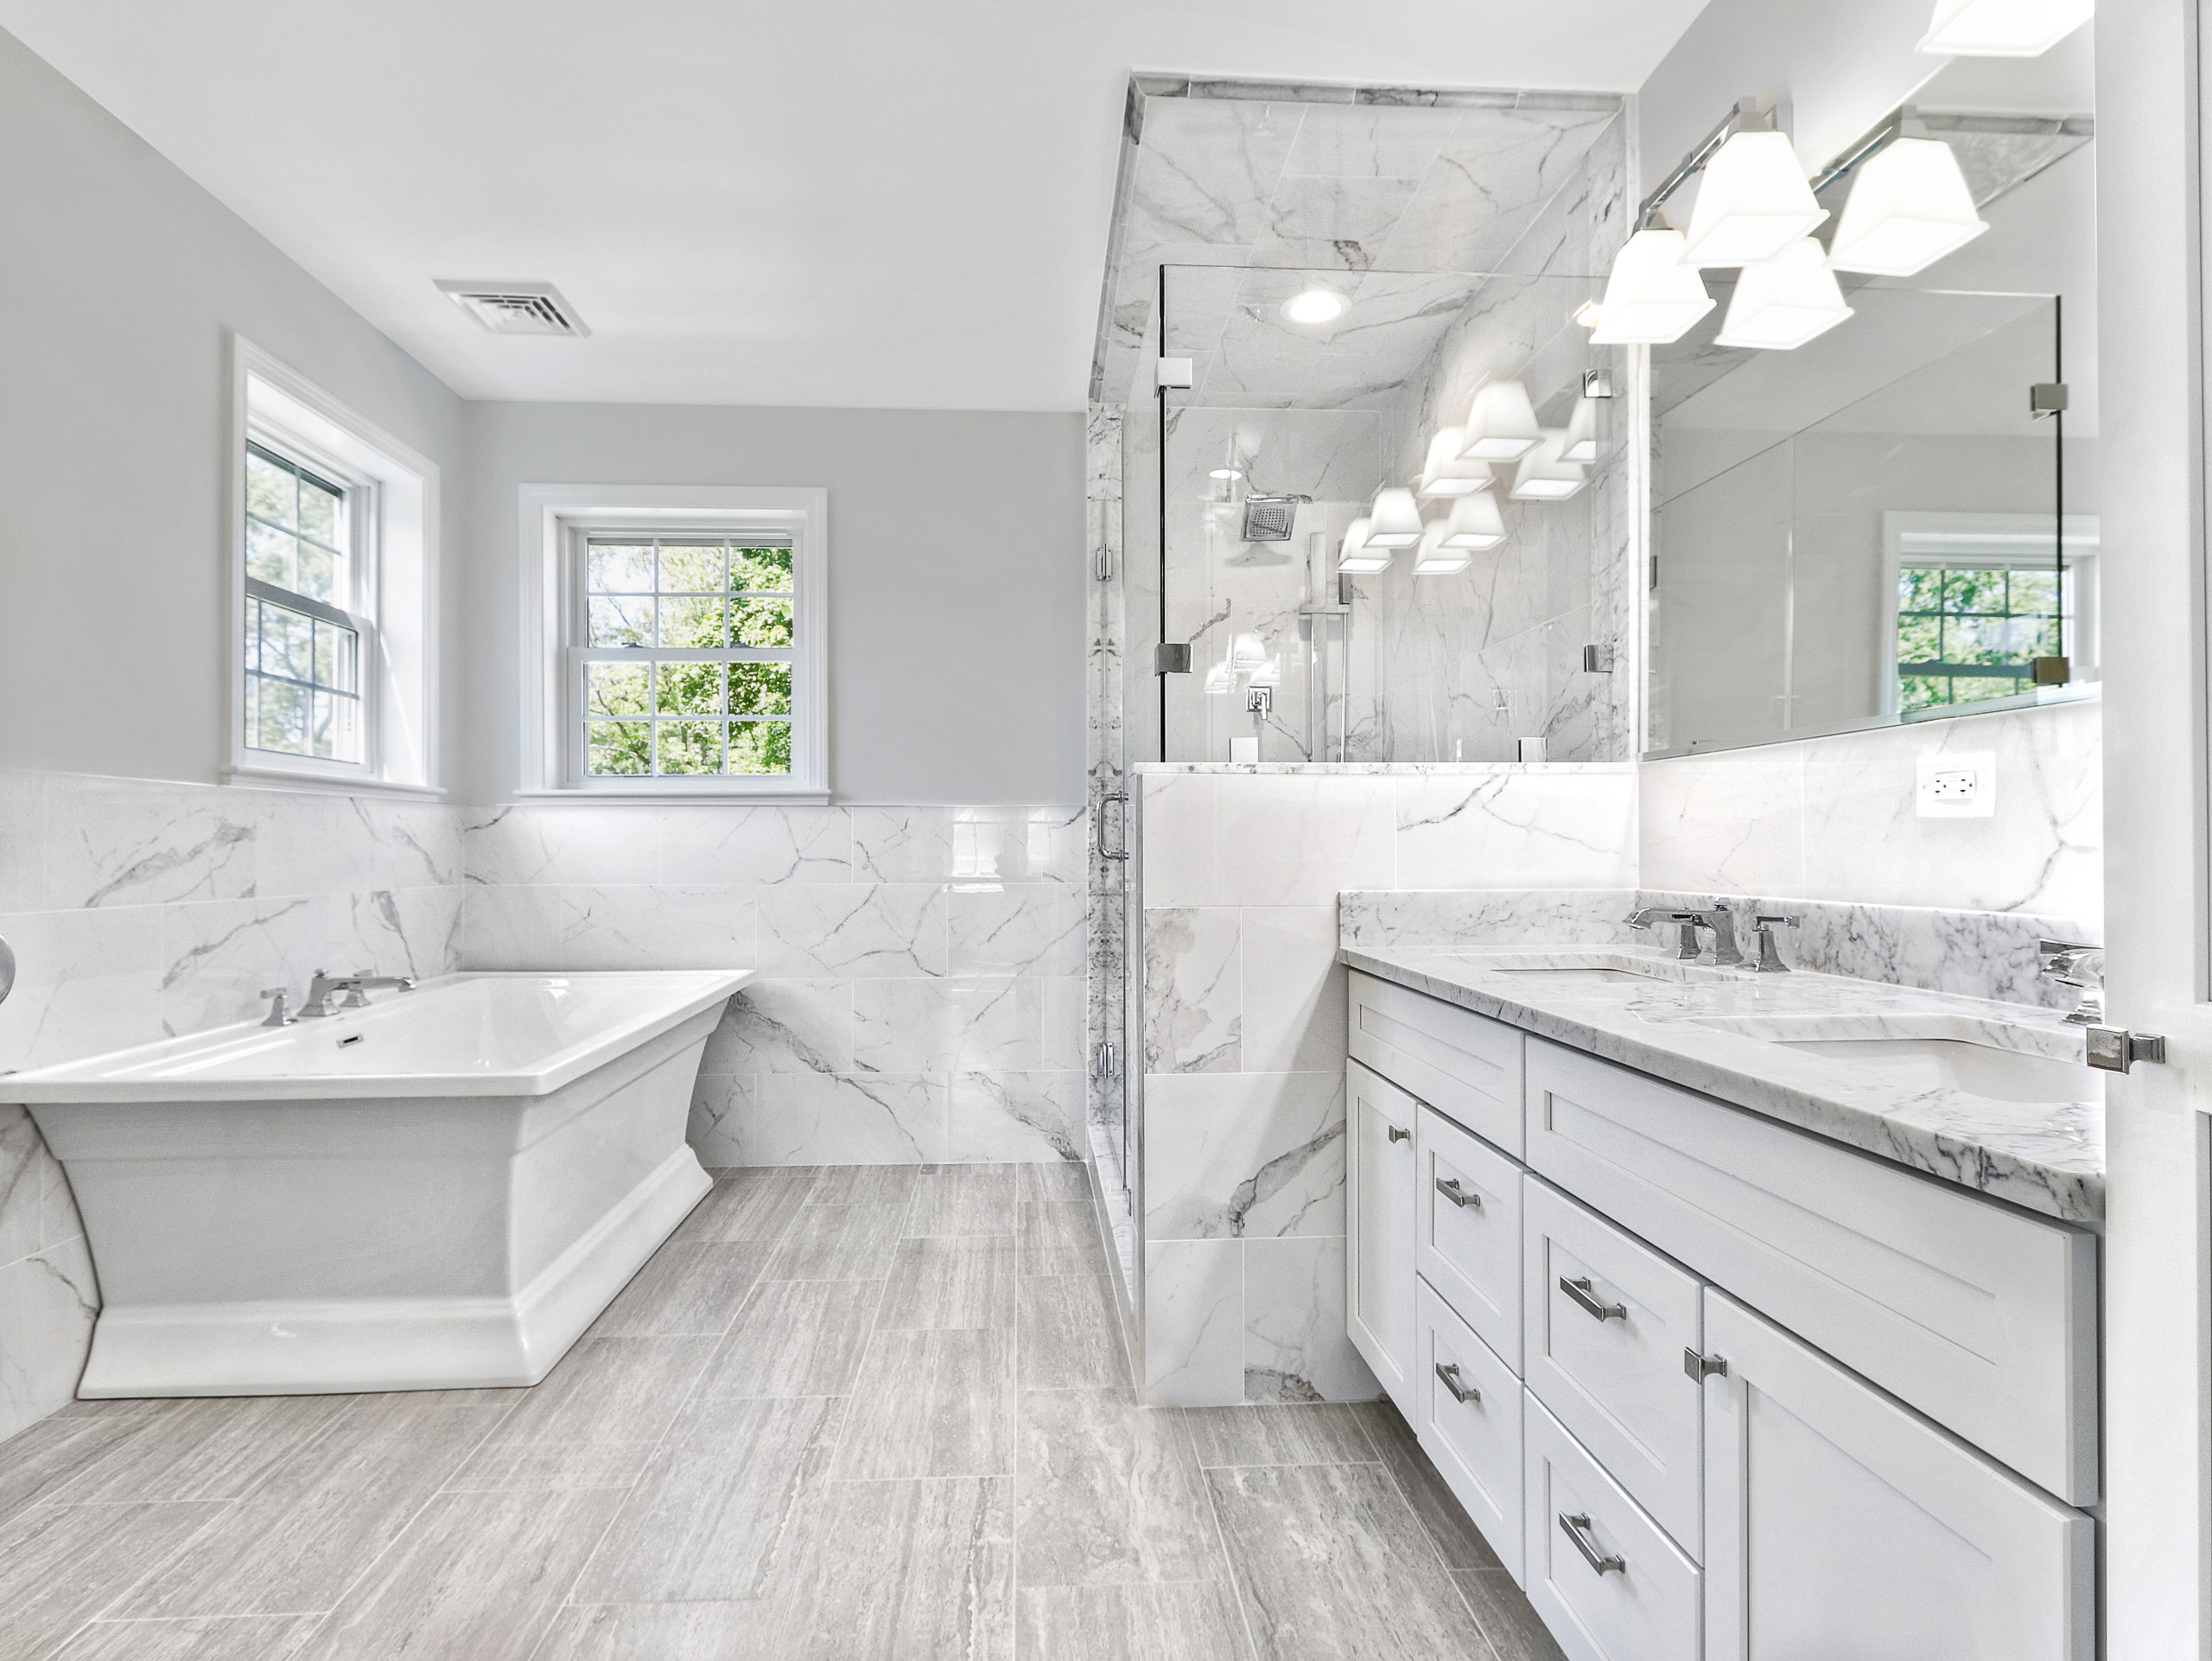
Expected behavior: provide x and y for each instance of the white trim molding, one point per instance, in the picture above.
(549, 515)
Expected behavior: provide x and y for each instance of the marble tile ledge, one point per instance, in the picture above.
(2046, 1157)
(1381, 769)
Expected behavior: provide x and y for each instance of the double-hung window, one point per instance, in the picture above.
(307, 632)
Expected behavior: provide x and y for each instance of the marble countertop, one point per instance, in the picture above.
(2047, 1156)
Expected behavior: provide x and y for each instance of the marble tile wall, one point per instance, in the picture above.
(921, 969)
(141, 910)
(1106, 776)
(1243, 1027)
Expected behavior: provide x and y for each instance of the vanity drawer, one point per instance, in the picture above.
(1467, 1414)
(1981, 1316)
(1607, 1320)
(1468, 1203)
(1466, 1066)
(1604, 1577)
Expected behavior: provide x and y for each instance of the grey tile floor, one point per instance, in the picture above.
(858, 1412)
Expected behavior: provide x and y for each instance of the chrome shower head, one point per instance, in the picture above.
(1270, 518)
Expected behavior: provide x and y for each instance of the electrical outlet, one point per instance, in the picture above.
(1957, 786)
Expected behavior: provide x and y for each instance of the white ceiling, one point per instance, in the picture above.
(872, 204)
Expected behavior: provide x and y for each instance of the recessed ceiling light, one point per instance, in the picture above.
(1315, 306)
(1224, 473)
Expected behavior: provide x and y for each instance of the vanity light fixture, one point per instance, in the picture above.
(1581, 444)
(1909, 207)
(1753, 203)
(1546, 475)
(1501, 424)
(1356, 558)
(1652, 297)
(1315, 305)
(1395, 520)
(1434, 557)
(1475, 523)
(1446, 472)
(2003, 29)
(1785, 302)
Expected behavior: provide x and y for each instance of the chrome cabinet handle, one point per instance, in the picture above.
(1577, 1529)
(1449, 1372)
(1122, 852)
(1450, 1188)
(1579, 1291)
(1397, 1135)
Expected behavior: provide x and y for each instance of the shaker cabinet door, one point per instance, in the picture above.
(1380, 1261)
(1838, 1522)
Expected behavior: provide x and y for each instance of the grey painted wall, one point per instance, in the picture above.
(956, 579)
(122, 284)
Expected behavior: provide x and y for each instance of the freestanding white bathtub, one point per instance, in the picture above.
(443, 1190)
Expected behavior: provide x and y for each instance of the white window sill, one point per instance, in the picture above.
(721, 793)
(326, 784)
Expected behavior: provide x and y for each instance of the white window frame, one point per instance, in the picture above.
(391, 509)
(554, 519)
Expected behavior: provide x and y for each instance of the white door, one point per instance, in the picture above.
(1380, 1262)
(1839, 1522)
(2151, 469)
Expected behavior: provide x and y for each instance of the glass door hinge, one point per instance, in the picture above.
(2047, 397)
(1107, 1063)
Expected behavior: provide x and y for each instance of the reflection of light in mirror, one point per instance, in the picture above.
(1545, 474)
(1395, 520)
(1785, 302)
(1909, 207)
(1446, 473)
(1475, 523)
(1581, 445)
(1588, 313)
(1752, 203)
(1501, 423)
(1652, 297)
(2003, 29)
(1433, 558)
(1356, 558)
(1315, 306)
(1225, 473)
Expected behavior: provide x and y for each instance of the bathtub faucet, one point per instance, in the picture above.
(326, 986)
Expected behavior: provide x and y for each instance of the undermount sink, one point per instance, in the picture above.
(1976, 1069)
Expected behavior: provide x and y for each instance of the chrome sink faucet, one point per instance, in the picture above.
(1727, 954)
(1770, 961)
(326, 986)
(2070, 963)
(1686, 943)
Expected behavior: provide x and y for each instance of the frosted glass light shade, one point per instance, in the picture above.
(2003, 29)
(1446, 473)
(1652, 298)
(1581, 444)
(1752, 204)
(1909, 207)
(1395, 520)
(1356, 558)
(1434, 557)
(1501, 424)
(1546, 475)
(1475, 523)
(1784, 302)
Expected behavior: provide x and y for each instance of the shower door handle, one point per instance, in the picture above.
(1122, 852)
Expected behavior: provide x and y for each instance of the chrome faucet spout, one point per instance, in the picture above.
(327, 994)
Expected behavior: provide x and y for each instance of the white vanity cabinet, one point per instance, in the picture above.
(1724, 1390)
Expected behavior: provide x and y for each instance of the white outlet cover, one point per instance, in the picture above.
(1956, 784)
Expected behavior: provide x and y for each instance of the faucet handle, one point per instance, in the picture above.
(1763, 926)
(278, 1016)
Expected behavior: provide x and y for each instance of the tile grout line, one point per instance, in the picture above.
(1228, 1564)
(1435, 1546)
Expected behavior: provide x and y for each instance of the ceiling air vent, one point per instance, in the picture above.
(516, 308)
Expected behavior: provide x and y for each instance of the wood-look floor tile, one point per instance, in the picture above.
(1516, 1631)
(837, 1242)
(1185, 1621)
(230, 1638)
(528, 1467)
(746, 1204)
(716, 1511)
(907, 1571)
(1107, 1492)
(213, 1448)
(299, 1539)
(958, 1282)
(1458, 1542)
(888, 1187)
(1330, 1562)
(685, 1289)
(1061, 1236)
(1071, 1327)
(932, 1403)
(667, 1631)
(45, 1456)
(60, 1565)
(476, 1576)
(1062, 1179)
(795, 1338)
(965, 1199)
(1303, 1433)
(610, 1390)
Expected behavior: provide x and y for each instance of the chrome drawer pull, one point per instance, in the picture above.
(1449, 1372)
(1450, 1188)
(1579, 1291)
(1578, 1530)
(1396, 1134)
(1702, 1367)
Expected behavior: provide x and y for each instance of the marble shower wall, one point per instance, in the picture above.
(1243, 1027)
(142, 910)
(920, 989)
